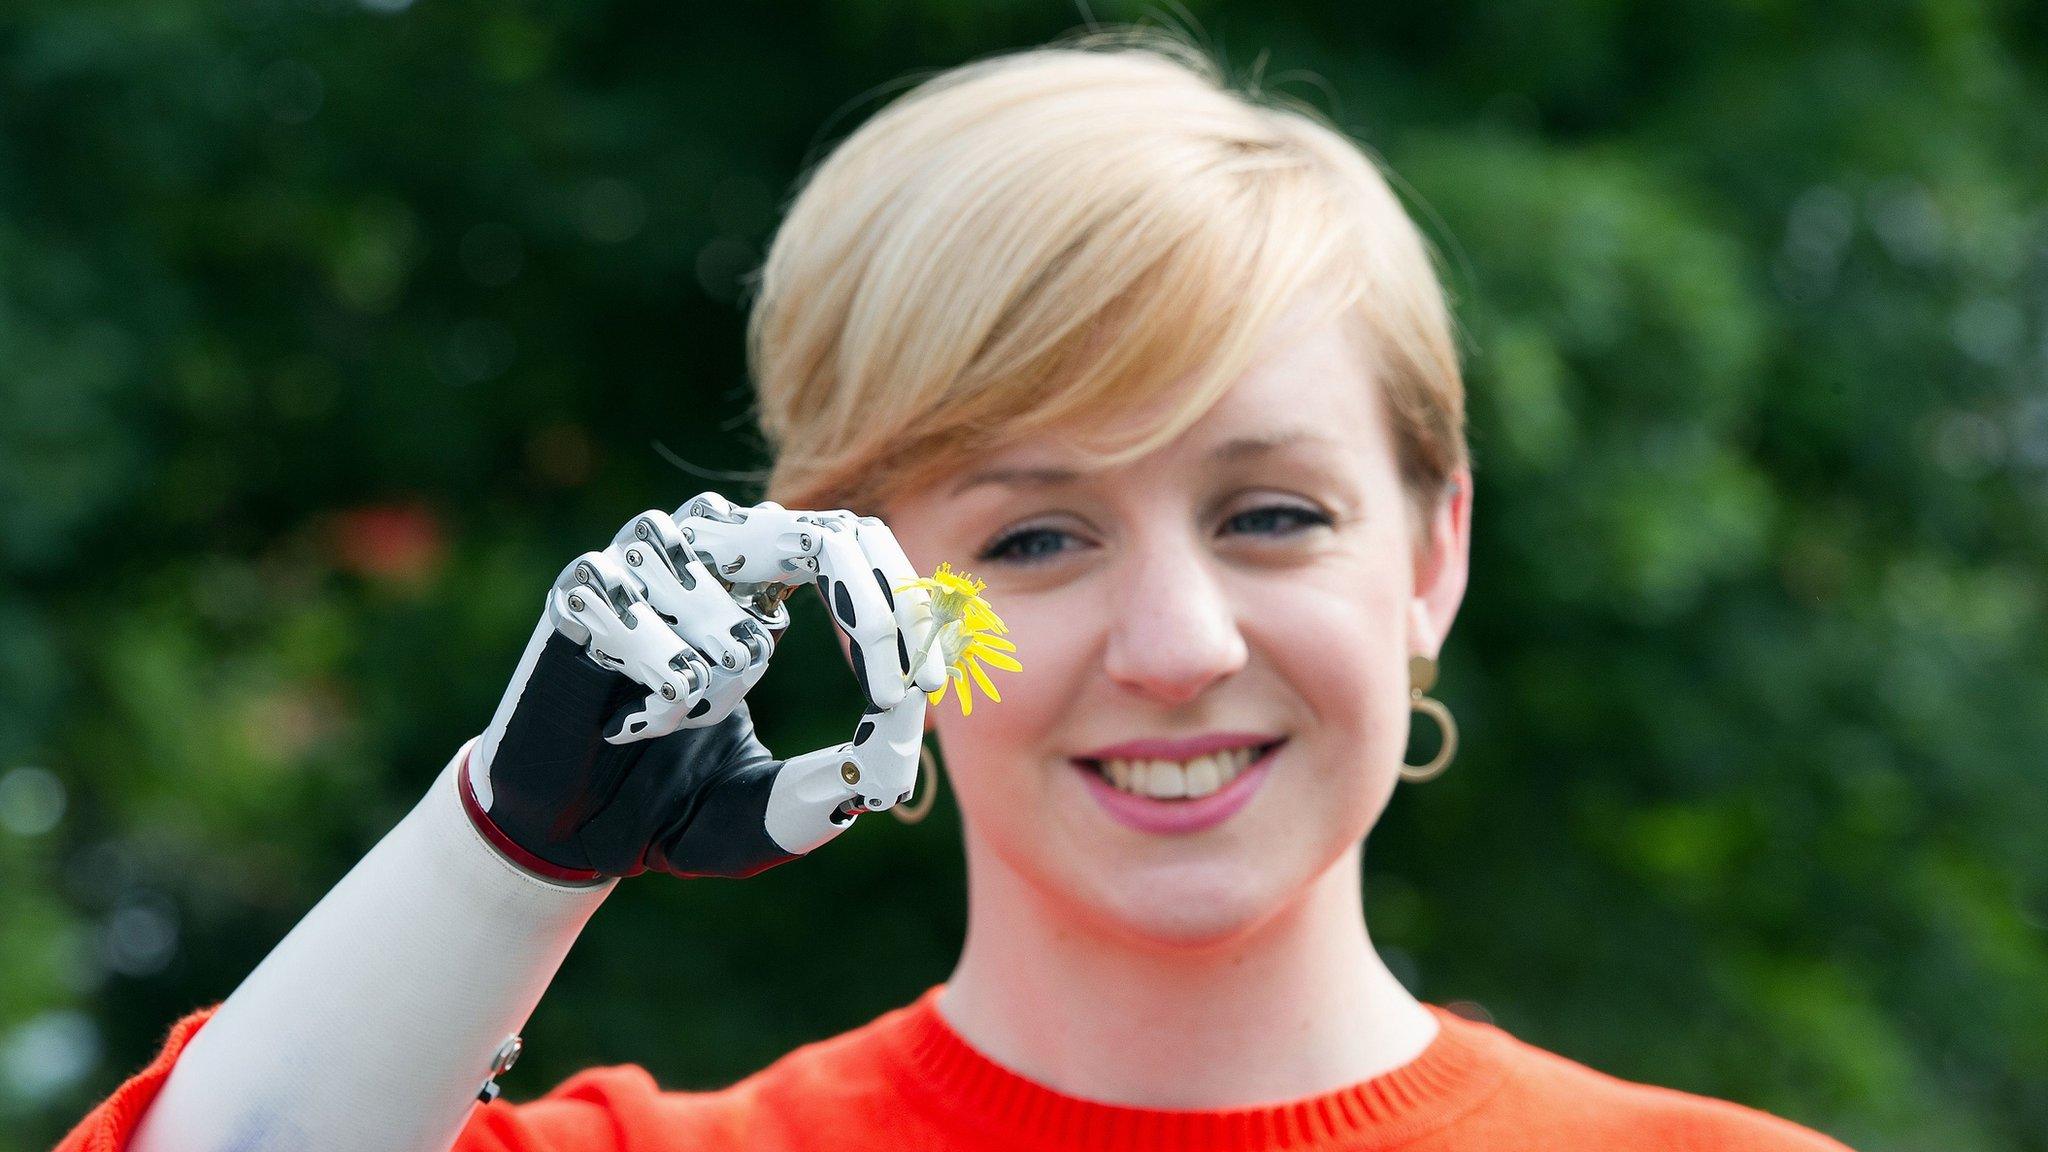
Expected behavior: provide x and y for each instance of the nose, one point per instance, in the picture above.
(1174, 632)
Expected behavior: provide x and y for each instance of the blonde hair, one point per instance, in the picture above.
(1054, 239)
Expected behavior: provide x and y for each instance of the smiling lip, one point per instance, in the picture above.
(1179, 817)
(1185, 748)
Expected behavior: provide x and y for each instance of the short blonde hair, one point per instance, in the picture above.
(1054, 239)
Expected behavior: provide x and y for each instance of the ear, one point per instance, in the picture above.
(1442, 559)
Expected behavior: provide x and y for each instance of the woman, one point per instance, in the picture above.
(1168, 369)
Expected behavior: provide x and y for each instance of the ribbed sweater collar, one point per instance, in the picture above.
(1453, 1074)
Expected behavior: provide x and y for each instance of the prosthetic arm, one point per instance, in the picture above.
(621, 745)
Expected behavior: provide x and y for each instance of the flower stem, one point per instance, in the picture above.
(923, 651)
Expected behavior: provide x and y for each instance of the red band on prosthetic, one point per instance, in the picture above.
(504, 844)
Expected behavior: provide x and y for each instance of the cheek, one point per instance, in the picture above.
(1338, 638)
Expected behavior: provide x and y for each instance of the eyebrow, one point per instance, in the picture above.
(1241, 448)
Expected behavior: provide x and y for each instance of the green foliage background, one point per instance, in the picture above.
(328, 330)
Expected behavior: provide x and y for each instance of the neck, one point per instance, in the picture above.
(1296, 1007)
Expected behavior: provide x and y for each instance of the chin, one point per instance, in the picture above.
(1187, 905)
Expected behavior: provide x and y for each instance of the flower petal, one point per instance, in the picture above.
(995, 659)
(981, 678)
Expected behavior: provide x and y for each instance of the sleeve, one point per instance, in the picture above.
(595, 1110)
(582, 1114)
(107, 1127)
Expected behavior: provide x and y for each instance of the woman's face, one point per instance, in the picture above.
(1255, 587)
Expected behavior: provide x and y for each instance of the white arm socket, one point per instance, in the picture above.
(373, 1024)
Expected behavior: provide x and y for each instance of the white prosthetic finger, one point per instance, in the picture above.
(735, 642)
(583, 609)
(711, 506)
(599, 598)
(817, 795)
(765, 544)
(650, 542)
(688, 601)
(808, 803)
(854, 596)
(912, 605)
(730, 686)
(885, 750)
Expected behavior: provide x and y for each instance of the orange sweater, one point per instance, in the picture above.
(906, 1083)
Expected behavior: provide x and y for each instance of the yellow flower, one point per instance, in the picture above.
(967, 632)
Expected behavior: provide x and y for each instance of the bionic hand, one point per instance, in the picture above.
(622, 743)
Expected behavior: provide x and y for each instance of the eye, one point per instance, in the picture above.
(1292, 519)
(1040, 544)
(1025, 546)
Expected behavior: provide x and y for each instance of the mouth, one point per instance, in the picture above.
(1184, 780)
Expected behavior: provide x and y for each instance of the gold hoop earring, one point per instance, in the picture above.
(928, 791)
(1421, 678)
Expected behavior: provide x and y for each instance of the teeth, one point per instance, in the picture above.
(1173, 779)
(1165, 781)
